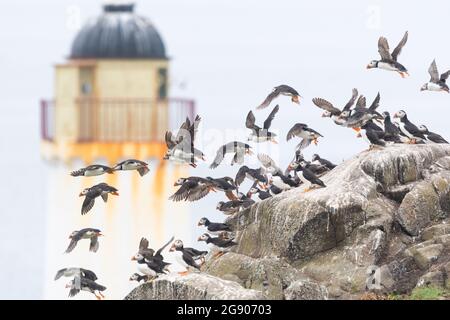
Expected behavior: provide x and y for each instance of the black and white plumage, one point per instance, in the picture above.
(408, 128)
(280, 90)
(307, 176)
(217, 243)
(86, 233)
(138, 277)
(316, 159)
(192, 189)
(262, 194)
(92, 170)
(226, 185)
(333, 112)
(389, 60)
(361, 115)
(132, 164)
(276, 176)
(391, 131)
(307, 134)
(233, 206)
(148, 263)
(263, 134)
(373, 137)
(431, 137)
(214, 227)
(255, 175)
(187, 257)
(436, 83)
(99, 190)
(76, 272)
(85, 284)
(238, 149)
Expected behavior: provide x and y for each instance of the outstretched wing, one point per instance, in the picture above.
(72, 245)
(94, 244)
(143, 244)
(399, 47)
(87, 205)
(383, 49)
(433, 71)
(361, 103)
(375, 104)
(219, 157)
(352, 100)
(325, 105)
(295, 130)
(444, 76)
(250, 121)
(183, 192)
(275, 93)
(268, 163)
(240, 175)
(271, 116)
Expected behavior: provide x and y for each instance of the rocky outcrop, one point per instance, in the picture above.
(380, 225)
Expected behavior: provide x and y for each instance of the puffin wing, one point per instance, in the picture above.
(218, 227)
(275, 93)
(399, 47)
(433, 71)
(143, 244)
(383, 49)
(93, 247)
(444, 76)
(198, 193)
(219, 157)
(87, 205)
(190, 260)
(375, 104)
(60, 273)
(436, 138)
(270, 118)
(268, 162)
(104, 197)
(183, 192)
(158, 253)
(230, 195)
(143, 171)
(327, 106)
(168, 137)
(295, 130)
(375, 137)
(240, 175)
(352, 100)
(303, 144)
(361, 103)
(73, 291)
(250, 120)
(72, 245)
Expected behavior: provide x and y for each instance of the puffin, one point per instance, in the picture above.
(274, 190)
(137, 277)
(307, 134)
(317, 169)
(281, 90)
(92, 170)
(262, 194)
(408, 128)
(263, 134)
(431, 137)
(223, 245)
(233, 206)
(373, 137)
(361, 115)
(307, 176)
(254, 175)
(391, 131)
(214, 228)
(192, 189)
(187, 257)
(132, 164)
(333, 112)
(99, 190)
(148, 263)
(436, 83)
(239, 149)
(317, 160)
(76, 272)
(85, 284)
(87, 233)
(389, 60)
(276, 176)
(226, 185)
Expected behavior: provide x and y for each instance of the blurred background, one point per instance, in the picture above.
(87, 81)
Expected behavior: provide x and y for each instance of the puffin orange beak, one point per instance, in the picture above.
(315, 141)
(274, 141)
(199, 224)
(296, 99)
(133, 258)
(172, 248)
(100, 234)
(80, 195)
(368, 66)
(115, 193)
(199, 239)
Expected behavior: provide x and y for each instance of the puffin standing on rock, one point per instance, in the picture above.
(132, 164)
(148, 263)
(431, 137)
(408, 128)
(218, 243)
(316, 159)
(187, 257)
(281, 90)
(389, 61)
(306, 176)
(214, 228)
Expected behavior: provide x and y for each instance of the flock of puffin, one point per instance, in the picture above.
(378, 129)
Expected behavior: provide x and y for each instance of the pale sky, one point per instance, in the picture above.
(229, 54)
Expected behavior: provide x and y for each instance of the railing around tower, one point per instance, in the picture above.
(115, 119)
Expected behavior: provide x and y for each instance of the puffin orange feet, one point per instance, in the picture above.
(183, 273)
(357, 129)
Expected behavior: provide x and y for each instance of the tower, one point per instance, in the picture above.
(111, 102)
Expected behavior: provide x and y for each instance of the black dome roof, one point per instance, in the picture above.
(118, 33)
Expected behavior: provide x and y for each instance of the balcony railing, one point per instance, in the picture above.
(115, 120)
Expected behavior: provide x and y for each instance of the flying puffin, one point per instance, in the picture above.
(239, 149)
(263, 134)
(409, 129)
(275, 175)
(192, 189)
(223, 245)
(283, 90)
(226, 185)
(214, 227)
(431, 137)
(148, 263)
(254, 175)
(333, 112)
(307, 176)
(92, 170)
(99, 190)
(436, 83)
(85, 284)
(137, 277)
(187, 257)
(87, 233)
(76, 272)
(317, 160)
(389, 61)
(233, 206)
(132, 164)
(307, 134)
(361, 115)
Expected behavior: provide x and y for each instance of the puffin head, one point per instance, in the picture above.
(203, 221)
(424, 87)
(179, 182)
(177, 244)
(372, 64)
(84, 192)
(204, 237)
(219, 205)
(137, 257)
(134, 277)
(400, 114)
(73, 234)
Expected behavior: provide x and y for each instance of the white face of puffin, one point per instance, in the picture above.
(84, 192)
(372, 64)
(138, 257)
(203, 237)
